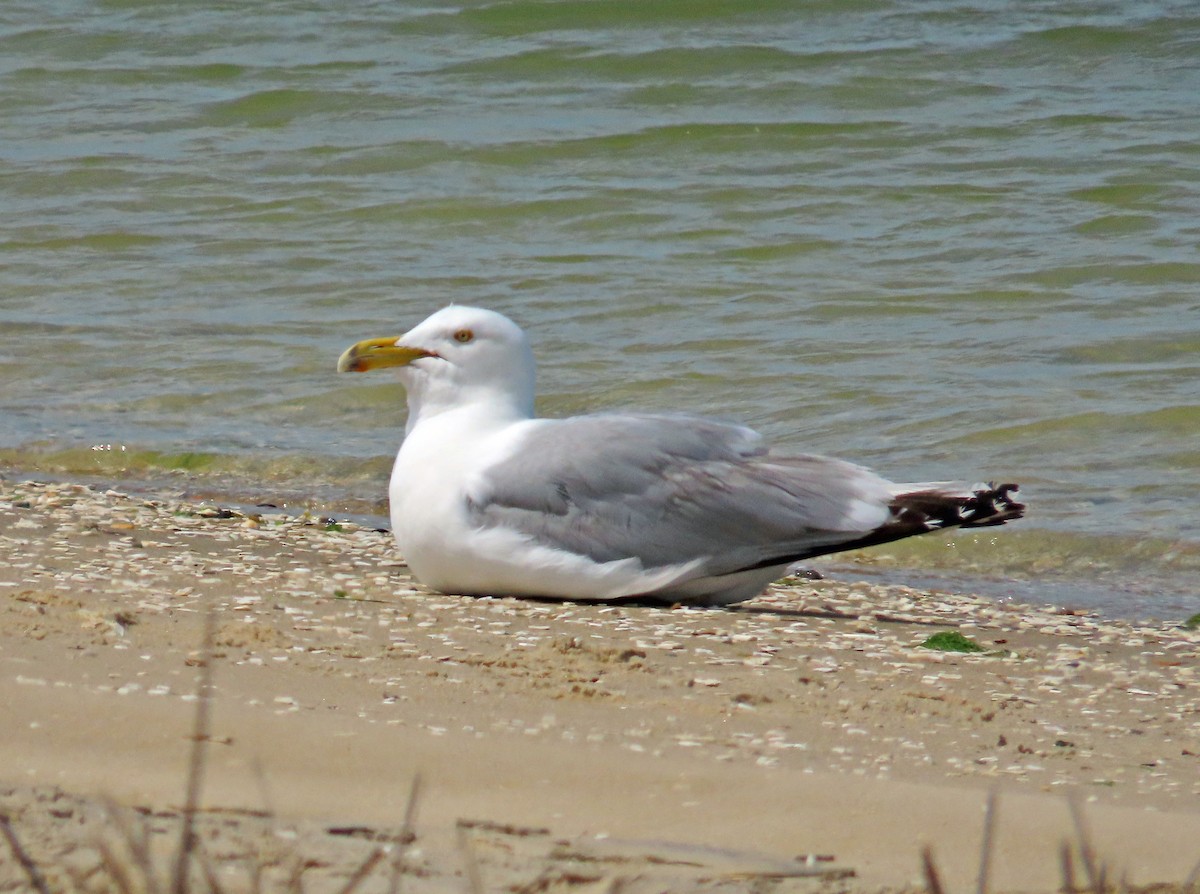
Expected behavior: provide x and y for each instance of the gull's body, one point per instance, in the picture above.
(485, 499)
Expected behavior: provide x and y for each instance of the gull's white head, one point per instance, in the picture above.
(459, 356)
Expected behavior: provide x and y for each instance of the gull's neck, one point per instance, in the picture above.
(481, 408)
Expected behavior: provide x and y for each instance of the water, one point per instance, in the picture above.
(945, 239)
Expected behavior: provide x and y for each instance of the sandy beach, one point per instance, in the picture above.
(804, 740)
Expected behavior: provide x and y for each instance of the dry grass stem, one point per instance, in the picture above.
(118, 870)
(295, 882)
(1095, 873)
(256, 876)
(132, 832)
(985, 847)
(210, 875)
(264, 787)
(410, 811)
(197, 762)
(1192, 882)
(1066, 864)
(617, 885)
(22, 857)
(933, 882)
(363, 870)
(407, 836)
(467, 848)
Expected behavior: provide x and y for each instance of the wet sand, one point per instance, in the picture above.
(563, 746)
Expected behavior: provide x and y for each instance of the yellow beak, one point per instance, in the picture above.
(378, 353)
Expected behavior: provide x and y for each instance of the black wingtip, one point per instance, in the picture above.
(922, 511)
(991, 505)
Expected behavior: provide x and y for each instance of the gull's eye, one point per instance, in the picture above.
(462, 336)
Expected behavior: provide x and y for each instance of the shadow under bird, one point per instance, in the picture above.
(487, 499)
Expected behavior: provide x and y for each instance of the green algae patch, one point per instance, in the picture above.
(951, 641)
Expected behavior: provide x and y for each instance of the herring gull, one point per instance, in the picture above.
(487, 499)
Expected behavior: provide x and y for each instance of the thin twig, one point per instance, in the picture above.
(985, 847)
(933, 884)
(22, 856)
(196, 764)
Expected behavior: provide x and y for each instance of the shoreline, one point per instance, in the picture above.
(809, 720)
(1023, 564)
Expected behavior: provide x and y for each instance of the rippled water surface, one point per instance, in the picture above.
(948, 240)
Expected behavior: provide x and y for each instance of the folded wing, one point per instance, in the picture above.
(669, 490)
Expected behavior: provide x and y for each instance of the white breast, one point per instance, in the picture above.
(432, 524)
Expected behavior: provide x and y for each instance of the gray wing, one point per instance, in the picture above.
(671, 489)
